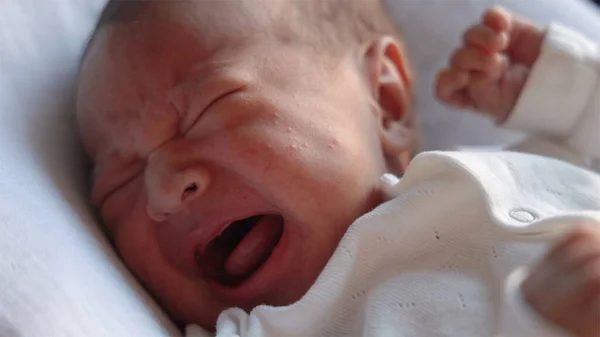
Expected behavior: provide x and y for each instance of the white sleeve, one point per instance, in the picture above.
(233, 322)
(561, 98)
(517, 318)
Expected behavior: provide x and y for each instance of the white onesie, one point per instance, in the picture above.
(444, 256)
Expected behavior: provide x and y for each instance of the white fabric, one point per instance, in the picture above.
(563, 90)
(445, 256)
(58, 275)
(568, 70)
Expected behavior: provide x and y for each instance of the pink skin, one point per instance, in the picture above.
(564, 287)
(489, 71)
(257, 125)
(487, 74)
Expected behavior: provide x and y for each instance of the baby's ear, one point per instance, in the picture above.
(390, 85)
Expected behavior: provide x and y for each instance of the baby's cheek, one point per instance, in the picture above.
(136, 241)
(255, 149)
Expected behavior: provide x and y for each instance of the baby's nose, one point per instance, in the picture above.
(170, 191)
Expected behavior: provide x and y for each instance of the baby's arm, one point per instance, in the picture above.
(541, 82)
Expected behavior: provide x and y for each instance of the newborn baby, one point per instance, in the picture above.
(235, 143)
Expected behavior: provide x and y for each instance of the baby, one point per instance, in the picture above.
(236, 143)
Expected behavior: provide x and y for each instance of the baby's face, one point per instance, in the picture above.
(227, 165)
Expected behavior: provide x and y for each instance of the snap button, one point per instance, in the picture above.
(522, 215)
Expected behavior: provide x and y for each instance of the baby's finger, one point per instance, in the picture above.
(574, 286)
(486, 38)
(576, 248)
(536, 286)
(578, 295)
(449, 83)
(461, 100)
(590, 274)
(589, 323)
(475, 59)
(561, 286)
(564, 267)
(498, 19)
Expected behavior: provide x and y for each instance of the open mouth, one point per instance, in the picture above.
(241, 249)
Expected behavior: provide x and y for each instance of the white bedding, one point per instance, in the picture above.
(58, 275)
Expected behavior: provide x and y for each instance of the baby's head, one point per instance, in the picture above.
(234, 142)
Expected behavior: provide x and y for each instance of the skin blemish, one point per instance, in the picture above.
(276, 119)
(335, 143)
(269, 165)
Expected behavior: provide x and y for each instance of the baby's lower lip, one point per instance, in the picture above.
(240, 250)
(255, 289)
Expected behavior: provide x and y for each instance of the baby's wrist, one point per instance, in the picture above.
(537, 43)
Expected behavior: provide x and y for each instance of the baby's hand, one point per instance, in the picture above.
(489, 71)
(565, 287)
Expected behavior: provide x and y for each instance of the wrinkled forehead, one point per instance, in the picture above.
(211, 22)
(172, 33)
(172, 42)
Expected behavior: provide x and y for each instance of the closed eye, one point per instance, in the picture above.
(210, 105)
(110, 181)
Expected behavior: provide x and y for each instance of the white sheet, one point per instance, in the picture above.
(58, 275)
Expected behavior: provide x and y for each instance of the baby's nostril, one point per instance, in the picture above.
(191, 189)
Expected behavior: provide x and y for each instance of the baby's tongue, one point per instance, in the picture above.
(256, 247)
